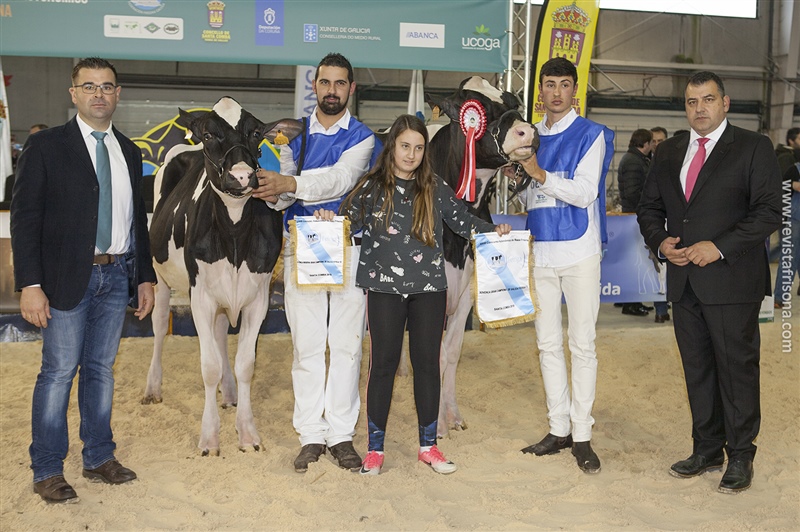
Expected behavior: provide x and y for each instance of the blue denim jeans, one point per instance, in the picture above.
(662, 307)
(86, 337)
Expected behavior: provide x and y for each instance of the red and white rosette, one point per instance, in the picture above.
(473, 123)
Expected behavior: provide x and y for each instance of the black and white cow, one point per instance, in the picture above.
(508, 138)
(210, 240)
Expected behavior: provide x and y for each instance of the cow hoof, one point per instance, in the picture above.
(210, 452)
(248, 448)
(228, 405)
(151, 400)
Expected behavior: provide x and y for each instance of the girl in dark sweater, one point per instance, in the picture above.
(401, 205)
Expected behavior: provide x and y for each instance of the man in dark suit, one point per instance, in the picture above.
(81, 255)
(717, 271)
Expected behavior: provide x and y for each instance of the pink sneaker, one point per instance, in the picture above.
(372, 463)
(434, 458)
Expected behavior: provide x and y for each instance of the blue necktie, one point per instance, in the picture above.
(103, 170)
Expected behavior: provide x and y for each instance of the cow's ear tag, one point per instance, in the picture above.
(436, 112)
(281, 139)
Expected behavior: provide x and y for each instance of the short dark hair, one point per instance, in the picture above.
(659, 129)
(704, 76)
(334, 59)
(640, 137)
(559, 67)
(95, 63)
(39, 127)
(792, 134)
(680, 132)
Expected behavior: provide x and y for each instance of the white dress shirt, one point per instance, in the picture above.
(712, 137)
(121, 192)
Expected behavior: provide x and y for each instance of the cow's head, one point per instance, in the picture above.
(507, 138)
(231, 137)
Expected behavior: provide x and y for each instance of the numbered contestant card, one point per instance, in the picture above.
(319, 251)
(502, 284)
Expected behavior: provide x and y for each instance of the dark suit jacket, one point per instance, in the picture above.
(735, 204)
(54, 215)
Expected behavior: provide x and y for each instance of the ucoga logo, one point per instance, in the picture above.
(479, 43)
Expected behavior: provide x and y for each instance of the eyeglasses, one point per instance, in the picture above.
(91, 88)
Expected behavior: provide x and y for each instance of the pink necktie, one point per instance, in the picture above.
(695, 166)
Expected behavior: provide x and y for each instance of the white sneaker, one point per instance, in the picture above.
(372, 463)
(434, 458)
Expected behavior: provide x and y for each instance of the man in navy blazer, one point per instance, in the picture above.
(717, 272)
(76, 291)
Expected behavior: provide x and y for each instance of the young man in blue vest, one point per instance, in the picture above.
(567, 216)
(337, 152)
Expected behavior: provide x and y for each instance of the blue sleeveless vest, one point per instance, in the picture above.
(562, 153)
(323, 151)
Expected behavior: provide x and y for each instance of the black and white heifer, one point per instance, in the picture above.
(210, 239)
(507, 138)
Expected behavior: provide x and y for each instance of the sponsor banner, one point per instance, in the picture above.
(628, 271)
(376, 34)
(319, 251)
(269, 22)
(566, 29)
(421, 35)
(131, 27)
(503, 279)
(216, 21)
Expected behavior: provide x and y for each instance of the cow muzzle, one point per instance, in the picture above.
(237, 179)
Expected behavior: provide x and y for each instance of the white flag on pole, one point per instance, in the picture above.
(416, 96)
(6, 167)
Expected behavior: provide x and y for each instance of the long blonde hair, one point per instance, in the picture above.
(381, 178)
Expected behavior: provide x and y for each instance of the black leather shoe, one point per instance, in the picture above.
(346, 455)
(697, 464)
(661, 318)
(309, 453)
(550, 444)
(55, 490)
(645, 307)
(634, 309)
(112, 472)
(737, 477)
(586, 457)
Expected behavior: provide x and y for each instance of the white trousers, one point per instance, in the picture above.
(580, 284)
(325, 410)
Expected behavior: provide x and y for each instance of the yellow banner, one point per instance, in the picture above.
(566, 29)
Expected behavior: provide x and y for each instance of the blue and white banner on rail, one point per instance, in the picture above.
(628, 272)
(319, 251)
(503, 280)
